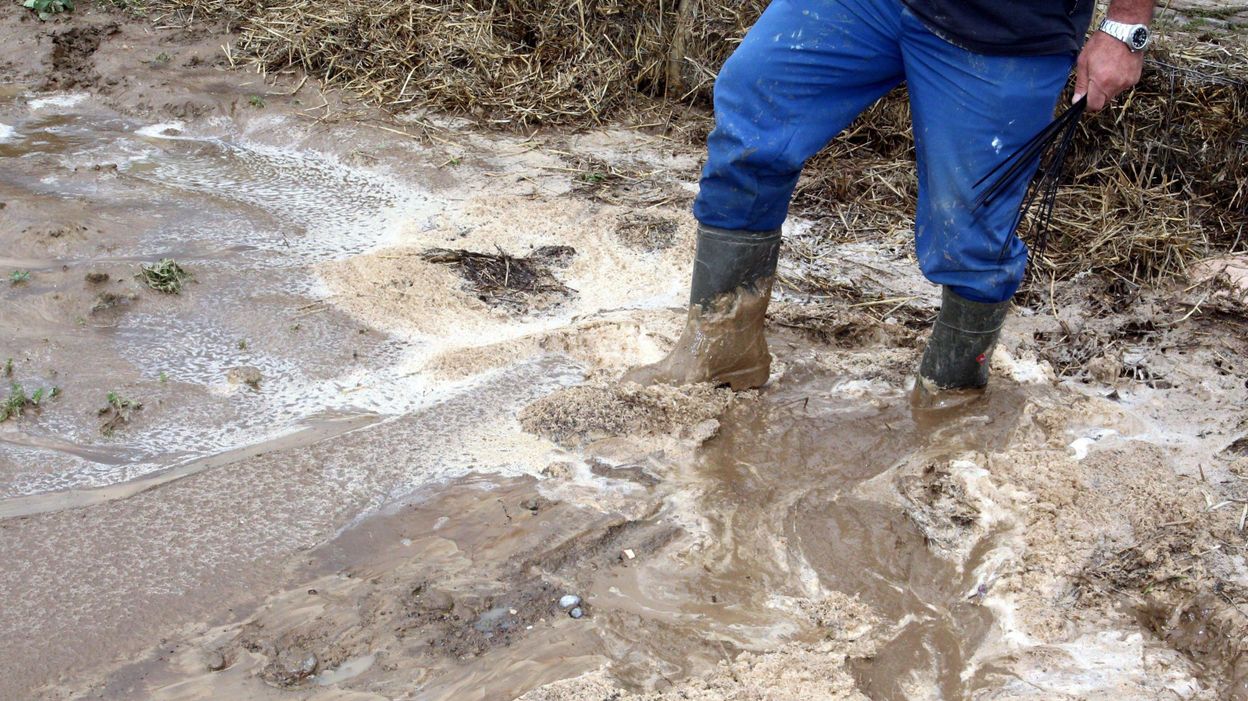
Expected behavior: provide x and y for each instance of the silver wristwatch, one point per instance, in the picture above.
(1135, 36)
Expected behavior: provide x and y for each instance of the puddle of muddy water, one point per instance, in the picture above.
(778, 492)
(89, 191)
(720, 554)
(683, 561)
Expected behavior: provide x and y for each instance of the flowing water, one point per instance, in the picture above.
(88, 196)
(200, 504)
(89, 191)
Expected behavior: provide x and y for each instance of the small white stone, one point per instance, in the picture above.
(567, 601)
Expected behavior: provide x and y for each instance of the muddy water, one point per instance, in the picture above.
(779, 491)
(451, 595)
(193, 506)
(87, 191)
(192, 512)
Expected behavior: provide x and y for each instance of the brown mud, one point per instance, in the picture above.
(358, 475)
(723, 343)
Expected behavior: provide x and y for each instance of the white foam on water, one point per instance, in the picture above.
(163, 130)
(328, 210)
(1025, 371)
(304, 207)
(1097, 664)
(323, 209)
(60, 101)
(1079, 447)
(288, 397)
(6, 132)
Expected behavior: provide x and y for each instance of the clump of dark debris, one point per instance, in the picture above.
(503, 280)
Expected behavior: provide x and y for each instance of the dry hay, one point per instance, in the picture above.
(1154, 183)
(518, 62)
(846, 318)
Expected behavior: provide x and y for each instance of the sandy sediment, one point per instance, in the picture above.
(586, 413)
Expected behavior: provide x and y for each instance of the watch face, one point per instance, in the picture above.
(1139, 38)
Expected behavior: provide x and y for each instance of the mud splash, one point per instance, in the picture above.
(723, 342)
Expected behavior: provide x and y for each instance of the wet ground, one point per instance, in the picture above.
(363, 470)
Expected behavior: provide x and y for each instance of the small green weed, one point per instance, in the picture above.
(8, 368)
(15, 403)
(255, 101)
(162, 57)
(46, 8)
(164, 377)
(18, 401)
(242, 345)
(117, 413)
(165, 276)
(17, 277)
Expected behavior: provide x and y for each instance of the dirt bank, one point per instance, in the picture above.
(370, 462)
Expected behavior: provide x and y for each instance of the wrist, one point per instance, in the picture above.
(1135, 36)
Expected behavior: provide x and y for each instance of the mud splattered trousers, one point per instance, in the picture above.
(808, 67)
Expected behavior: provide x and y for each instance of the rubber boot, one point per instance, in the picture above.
(723, 340)
(960, 347)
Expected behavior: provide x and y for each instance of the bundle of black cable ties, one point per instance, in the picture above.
(1047, 148)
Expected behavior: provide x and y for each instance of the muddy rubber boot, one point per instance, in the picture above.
(960, 347)
(723, 340)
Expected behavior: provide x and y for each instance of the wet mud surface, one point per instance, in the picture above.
(383, 431)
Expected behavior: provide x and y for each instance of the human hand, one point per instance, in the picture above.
(1106, 67)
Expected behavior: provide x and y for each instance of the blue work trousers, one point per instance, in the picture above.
(808, 67)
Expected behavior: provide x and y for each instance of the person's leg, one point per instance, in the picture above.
(800, 76)
(970, 112)
(804, 71)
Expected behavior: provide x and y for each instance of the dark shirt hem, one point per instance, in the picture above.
(1046, 47)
